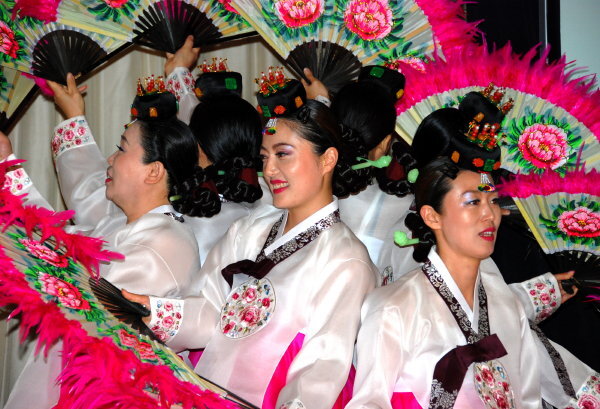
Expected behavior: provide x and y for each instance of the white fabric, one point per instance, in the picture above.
(319, 290)
(407, 328)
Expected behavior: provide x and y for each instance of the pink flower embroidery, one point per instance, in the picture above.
(116, 4)
(545, 298)
(67, 293)
(298, 13)
(369, 19)
(588, 402)
(266, 302)
(250, 314)
(545, 146)
(487, 376)
(42, 252)
(581, 222)
(69, 135)
(540, 286)
(8, 43)
(81, 131)
(249, 295)
(168, 322)
(227, 327)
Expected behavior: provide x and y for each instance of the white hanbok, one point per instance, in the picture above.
(287, 339)
(407, 327)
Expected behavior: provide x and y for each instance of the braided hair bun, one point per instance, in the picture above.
(197, 196)
(239, 179)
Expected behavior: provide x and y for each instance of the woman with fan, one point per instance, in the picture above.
(407, 347)
(152, 161)
(279, 313)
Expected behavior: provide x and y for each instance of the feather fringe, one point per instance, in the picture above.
(44, 10)
(579, 181)
(41, 83)
(475, 66)
(96, 373)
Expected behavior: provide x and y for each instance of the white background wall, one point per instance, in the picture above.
(580, 32)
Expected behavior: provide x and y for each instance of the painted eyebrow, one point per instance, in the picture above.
(123, 138)
(470, 192)
(278, 145)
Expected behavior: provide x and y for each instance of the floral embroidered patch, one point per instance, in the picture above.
(17, 181)
(248, 308)
(166, 317)
(544, 297)
(180, 82)
(493, 385)
(387, 276)
(588, 396)
(292, 404)
(71, 134)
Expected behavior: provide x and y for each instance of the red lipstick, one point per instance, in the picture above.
(488, 234)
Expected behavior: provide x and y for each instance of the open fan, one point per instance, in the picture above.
(334, 38)
(554, 123)
(15, 91)
(563, 213)
(162, 25)
(50, 50)
(45, 273)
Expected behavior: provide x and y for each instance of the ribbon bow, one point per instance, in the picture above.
(252, 268)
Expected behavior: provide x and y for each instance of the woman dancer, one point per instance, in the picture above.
(279, 314)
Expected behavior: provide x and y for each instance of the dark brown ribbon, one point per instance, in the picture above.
(452, 368)
(250, 176)
(252, 268)
(395, 171)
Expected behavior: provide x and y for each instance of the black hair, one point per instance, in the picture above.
(474, 103)
(171, 143)
(431, 187)
(393, 178)
(368, 109)
(317, 124)
(435, 133)
(228, 130)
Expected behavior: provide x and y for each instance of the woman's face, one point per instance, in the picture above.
(126, 172)
(469, 219)
(294, 173)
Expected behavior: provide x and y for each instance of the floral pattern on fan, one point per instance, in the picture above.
(12, 42)
(370, 20)
(42, 252)
(540, 142)
(574, 221)
(114, 10)
(67, 294)
(299, 13)
(248, 308)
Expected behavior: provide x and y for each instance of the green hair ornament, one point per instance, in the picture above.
(401, 239)
(412, 176)
(382, 162)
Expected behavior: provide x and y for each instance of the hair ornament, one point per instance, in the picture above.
(303, 114)
(412, 176)
(271, 82)
(486, 184)
(495, 96)
(174, 198)
(218, 65)
(270, 127)
(402, 240)
(382, 162)
(152, 100)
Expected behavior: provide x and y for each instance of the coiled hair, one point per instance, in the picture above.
(172, 143)
(228, 130)
(432, 185)
(393, 178)
(317, 124)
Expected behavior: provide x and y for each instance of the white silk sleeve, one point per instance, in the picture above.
(529, 366)
(539, 296)
(320, 369)
(81, 170)
(181, 83)
(379, 359)
(19, 183)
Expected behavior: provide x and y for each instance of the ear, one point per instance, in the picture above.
(431, 218)
(155, 173)
(328, 160)
(381, 149)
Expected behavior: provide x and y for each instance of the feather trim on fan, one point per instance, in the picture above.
(43, 10)
(105, 362)
(551, 107)
(166, 24)
(313, 33)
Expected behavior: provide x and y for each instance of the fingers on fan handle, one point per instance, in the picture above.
(140, 299)
(564, 276)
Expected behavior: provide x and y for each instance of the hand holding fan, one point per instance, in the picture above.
(334, 38)
(45, 272)
(563, 212)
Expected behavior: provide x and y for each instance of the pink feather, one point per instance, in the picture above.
(41, 83)
(548, 183)
(44, 10)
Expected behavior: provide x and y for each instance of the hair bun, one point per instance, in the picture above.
(238, 179)
(197, 196)
(420, 230)
(393, 179)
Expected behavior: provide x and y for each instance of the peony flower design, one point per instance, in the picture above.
(115, 3)
(299, 13)
(8, 42)
(68, 295)
(587, 401)
(144, 349)
(227, 6)
(581, 222)
(545, 146)
(115, 10)
(369, 19)
(42, 252)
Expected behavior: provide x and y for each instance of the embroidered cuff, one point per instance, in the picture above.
(588, 395)
(544, 295)
(180, 82)
(72, 133)
(166, 317)
(292, 404)
(323, 100)
(16, 180)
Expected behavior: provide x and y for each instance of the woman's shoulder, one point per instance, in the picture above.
(407, 290)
